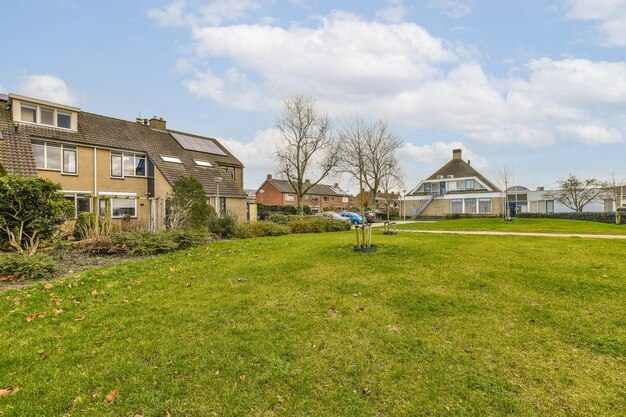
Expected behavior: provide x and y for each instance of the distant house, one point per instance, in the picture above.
(523, 200)
(381, 202)
(104, 163)
(455, 189)
(319, 197)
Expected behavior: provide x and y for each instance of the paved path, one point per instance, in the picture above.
(493, 233)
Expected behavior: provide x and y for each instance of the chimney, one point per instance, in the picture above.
(469, 162)
(337, 185)
(157, 123)
(269, 176)
(456, 154)
(139, 121)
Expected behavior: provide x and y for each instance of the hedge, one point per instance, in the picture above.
(599, 217)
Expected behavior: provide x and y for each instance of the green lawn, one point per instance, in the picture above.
(300, 325)
(521, 225)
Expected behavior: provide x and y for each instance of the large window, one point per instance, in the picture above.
(469, 184)
(127, 165)
(470, 205)
(484, 205)
(457, 206)
(120, 207)
(82, 202)
(289, 197)
(55, 157)
(32, 113)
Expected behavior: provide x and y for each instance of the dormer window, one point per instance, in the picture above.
(46, 116)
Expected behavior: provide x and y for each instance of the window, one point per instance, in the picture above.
(289, 197)
(457, 206)
(202, 163)
(47, 116)
(231, 172)
(223, 205)
(469, 184)
(32, 113)
(326, 199)
(484, 205)
(460, 185)
(120, 207)
(345, 200)
(549, 206)
(172, 159)
(470, 205)
(82, 202)
(64, 120)
(55, 157)
(29, 114)
(427, 187)
(127, 165)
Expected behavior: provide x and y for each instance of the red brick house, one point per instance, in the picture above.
(319, 197)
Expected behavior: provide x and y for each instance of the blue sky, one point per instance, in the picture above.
(539, 86)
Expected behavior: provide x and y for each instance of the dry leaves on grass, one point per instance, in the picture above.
(79, 318)
(112, 396)
(48, 287)
(8, 391)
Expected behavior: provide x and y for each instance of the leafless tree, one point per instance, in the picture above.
(505, 176)
(575, 193)
(368, 153)
(392, 180)
(307, 147)
(613, 192)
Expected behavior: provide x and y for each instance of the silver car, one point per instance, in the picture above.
(331, 215)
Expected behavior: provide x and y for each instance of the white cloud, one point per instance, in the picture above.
(608, 15)
(178, 14)
(47, 87)
(401, 73)
(395, 12)
(452, 8)
(439, 153)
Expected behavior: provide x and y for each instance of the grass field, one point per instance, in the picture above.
(521, 225)
(300, 325)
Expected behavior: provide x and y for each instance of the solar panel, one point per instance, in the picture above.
(197, 144)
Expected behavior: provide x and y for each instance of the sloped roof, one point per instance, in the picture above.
(459, 169)
(318, 189)
(109, 132)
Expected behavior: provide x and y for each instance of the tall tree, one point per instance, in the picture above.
(368, 153)
(575, 193)
(505, 176)
(307, 148)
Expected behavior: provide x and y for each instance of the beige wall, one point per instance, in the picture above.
(443, 207)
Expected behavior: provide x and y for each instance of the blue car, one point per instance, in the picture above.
(353, 217)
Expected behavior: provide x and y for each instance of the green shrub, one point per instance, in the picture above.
(31, 210)
(317, 225)
(187, 208)
(224, 227)
(285, 218)
(188, 238)
(18, 266)
(261, 229)
(146, 242)
(600, 217)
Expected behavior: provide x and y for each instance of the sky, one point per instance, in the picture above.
(536, 86)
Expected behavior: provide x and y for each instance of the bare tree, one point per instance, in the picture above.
(368, 153)
(505, 176)
(575, 193)
(307, 146)
(392, 180)
(613, 192)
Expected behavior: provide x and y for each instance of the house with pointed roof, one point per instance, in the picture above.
(456, 189)
(319, 197)
(127, 167)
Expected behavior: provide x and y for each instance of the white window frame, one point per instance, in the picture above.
(457, 201)
(38, 122)
(171, 159)
(325, 199)
(290, 197)
(112, 196)
(490, 205)
(44, 143)
(75, 195)
(123, 155)
(202, 163)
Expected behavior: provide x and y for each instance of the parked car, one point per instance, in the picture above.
(330, 215)
(370, 217)
(353, 217)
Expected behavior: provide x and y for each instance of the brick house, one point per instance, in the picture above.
(319, 197)
(128, 165)
(455, 189)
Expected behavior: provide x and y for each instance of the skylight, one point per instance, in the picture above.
(172, 159)
(202, 163)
